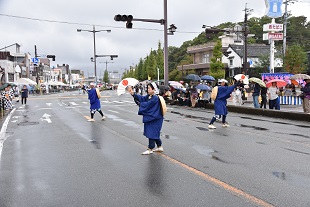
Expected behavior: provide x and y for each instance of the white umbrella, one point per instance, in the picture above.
(242, 77)
(300, 77)
(25, 81)
(121, 88)
(175, 84)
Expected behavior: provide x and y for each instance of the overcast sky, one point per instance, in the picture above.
(76, 48)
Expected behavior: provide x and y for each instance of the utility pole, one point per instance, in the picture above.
(36, 66)
(285, 24)
(245, 41)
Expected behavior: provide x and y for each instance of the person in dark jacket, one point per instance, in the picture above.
(306, 96)
(263, 93)
(255, 94)
(149, 108)
(24, 92)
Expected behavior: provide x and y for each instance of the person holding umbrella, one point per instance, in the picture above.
(273, 91)
(255, 93)
(263, 93)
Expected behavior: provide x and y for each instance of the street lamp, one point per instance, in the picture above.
(172, 29)
(94, 31)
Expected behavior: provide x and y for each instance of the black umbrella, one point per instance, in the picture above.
(192, 77)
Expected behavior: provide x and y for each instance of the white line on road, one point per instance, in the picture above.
(3, 130)
(114, 111)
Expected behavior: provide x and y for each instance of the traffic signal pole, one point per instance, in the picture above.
(36, 66)
(166, 69)
(164, 21)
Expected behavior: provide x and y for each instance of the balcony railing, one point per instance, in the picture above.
(202, 46)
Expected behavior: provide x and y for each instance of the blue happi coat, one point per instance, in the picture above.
(221, 99)
(93, 99)
(149, 108)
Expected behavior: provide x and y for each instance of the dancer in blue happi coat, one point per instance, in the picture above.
(149, 108)
(94, 102)
(220, 103)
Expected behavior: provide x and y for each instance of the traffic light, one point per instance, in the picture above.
(51, 56)
(113, 56)
(124, 18)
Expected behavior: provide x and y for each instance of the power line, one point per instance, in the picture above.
(85, 24)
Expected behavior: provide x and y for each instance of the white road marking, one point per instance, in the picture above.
(3, 130)
(73, 103)
(48, 104)
(114, 111)
(46, 117)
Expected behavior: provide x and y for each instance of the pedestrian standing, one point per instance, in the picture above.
(306, 94)
(193, 96)
(24, 92)
(255, 94)
(220, 103)
(263, 93)
(7, 97)
(93, 96)
(16, 93)
(273, 91)
(150, 109)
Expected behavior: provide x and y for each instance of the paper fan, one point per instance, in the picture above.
(121, 89)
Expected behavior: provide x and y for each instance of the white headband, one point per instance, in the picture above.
(155, 88)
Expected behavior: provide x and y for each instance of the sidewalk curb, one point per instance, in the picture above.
(299, 116)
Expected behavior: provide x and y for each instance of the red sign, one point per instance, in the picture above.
(275, 27)
(275, 36)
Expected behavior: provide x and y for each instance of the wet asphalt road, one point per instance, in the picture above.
(53, 157)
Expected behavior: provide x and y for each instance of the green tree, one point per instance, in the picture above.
(295, 60)
(216, 65)
(160, 60)
(298, 32)
(106, 77)
(175, 75)
(152, 66)
(139, 70)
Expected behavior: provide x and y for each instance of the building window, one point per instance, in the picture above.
(206, 58)
(231, 62)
